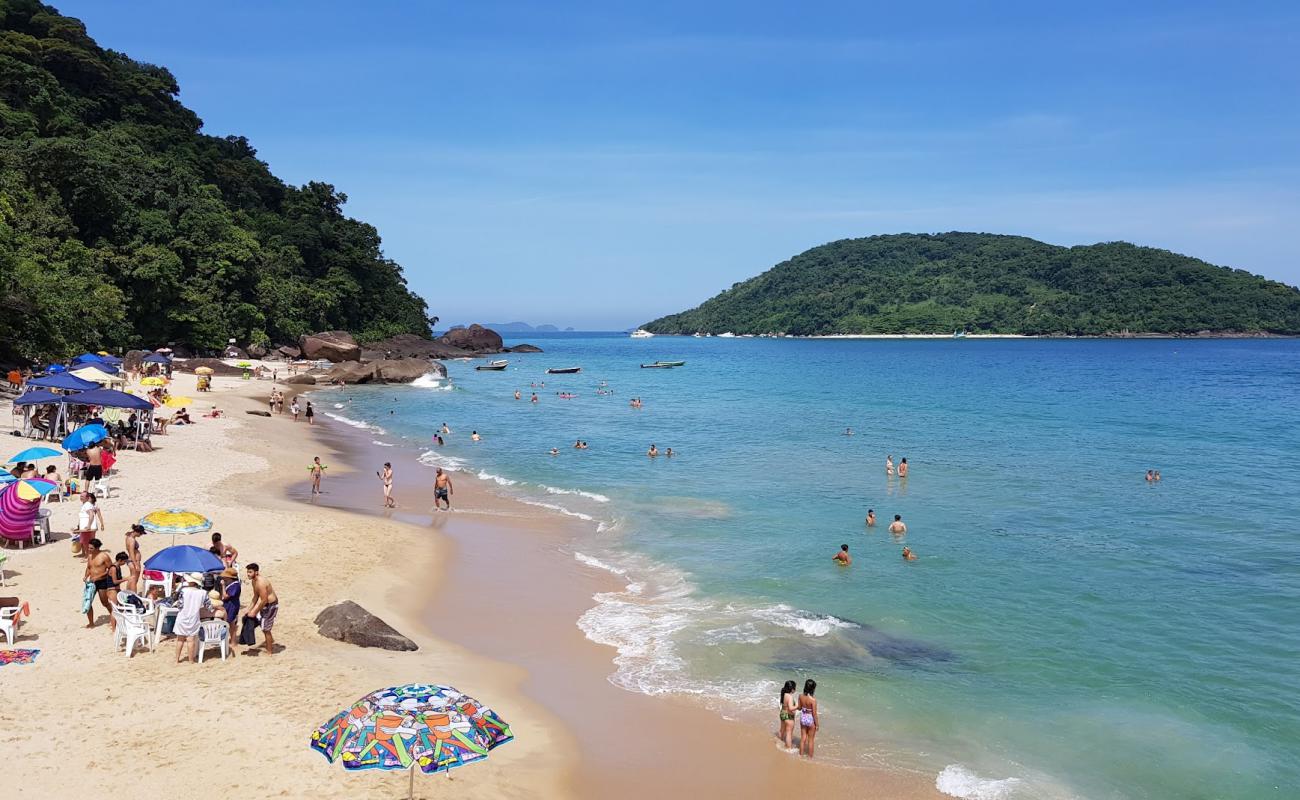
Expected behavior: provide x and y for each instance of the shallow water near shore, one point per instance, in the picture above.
(1069, 629)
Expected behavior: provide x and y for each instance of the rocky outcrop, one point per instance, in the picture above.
(300, 380)
(288, 351)
(476, 339)
(523, 348)
(335, 346)
(387, 370)
(132, 360)
(349, 622)
(234, 352)
(408, 345)
(217, 366)
(257, 350)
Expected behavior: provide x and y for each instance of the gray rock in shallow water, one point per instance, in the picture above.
(349, 622)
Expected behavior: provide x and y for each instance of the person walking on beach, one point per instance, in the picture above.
(387, 477)
(193, 602)
(442, 489)
(808, 720)
(902, 466)
(265, 607)
(889, 465)
(98, 564)
(90, 519)
(317, 471)
(311, 418)
(293, 409)
(897, 527)
(871, 518)
(789, 710)
(843, 557)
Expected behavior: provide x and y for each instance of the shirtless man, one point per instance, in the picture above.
(908, 555)
(94, 464)
(475, 436)
(387, 477)
(843, 556)
(442, 489)
(98, 564)
(902, 468)
(266, 604)
(897, 526)
(871, 518)
(653, 452)
(445, 429)
(317, 470)
(133, 556)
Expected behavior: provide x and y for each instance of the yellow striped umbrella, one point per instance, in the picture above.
(175, 521)
(152, 381)
(178, 401)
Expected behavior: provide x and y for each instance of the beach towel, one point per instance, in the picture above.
(108, 460)
(248, 631)
(8, 657)
(87, 597)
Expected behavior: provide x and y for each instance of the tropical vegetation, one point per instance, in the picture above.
(985, 283)
(122, 224)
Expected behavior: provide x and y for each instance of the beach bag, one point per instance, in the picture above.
(248, 631)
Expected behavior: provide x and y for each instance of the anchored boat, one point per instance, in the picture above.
(663, 365)
(564, 371)
(493, 366)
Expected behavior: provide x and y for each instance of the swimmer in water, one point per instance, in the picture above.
(897, 527)
(653, 452)
(1151, 475)
(518, 395)
(889, 465)
(848, 431)
(534, 398)
(555, 451)
(475, 436)
(445, 429)
(1157, 476)
(908, 555)
(843, 556)
(871, 518)
(902, 468)
(669, 454)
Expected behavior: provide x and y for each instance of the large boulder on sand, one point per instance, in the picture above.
(336, 346)
(408, 345)
(349, 622)
(288, 351)
(475, 339)
(395, 370)
(132, 360)
(256, 350)
(300, 380)
(350, 372)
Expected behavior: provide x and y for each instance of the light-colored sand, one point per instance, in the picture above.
(85, 720)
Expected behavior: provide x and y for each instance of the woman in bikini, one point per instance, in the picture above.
(387, 477)
(789, 709)
(808, 720)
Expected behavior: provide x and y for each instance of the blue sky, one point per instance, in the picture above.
(601, 164)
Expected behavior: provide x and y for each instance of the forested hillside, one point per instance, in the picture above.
(122, 225)
(984, 283)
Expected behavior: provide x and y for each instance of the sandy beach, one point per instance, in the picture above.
(488, 592)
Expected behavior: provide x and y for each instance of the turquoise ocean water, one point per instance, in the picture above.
(1069, 629)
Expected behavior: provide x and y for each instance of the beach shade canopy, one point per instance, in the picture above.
(204, 371)
(19, 502)
(63, 380)
(152, 381)
(108, 398)
(184, 558)
(89, 357)
(156, 358)
(98, 374)
(39, 397)
(84, 437)
(34, 454)
(55, 369)
(429, 726)
(175, 521)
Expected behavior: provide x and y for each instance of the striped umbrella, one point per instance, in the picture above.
(176, 521)
(433, 727)
(19, 502)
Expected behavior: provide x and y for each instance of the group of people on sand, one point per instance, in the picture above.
(442, 485)
(197, 598)
(799, 711)
(276, 403)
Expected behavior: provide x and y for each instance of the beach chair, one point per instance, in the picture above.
(214, 633)
(133, 626)
(104, 487)
(9, 622)
(153, 577)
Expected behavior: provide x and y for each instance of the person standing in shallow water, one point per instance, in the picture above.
(902, 466)
(317, 470)
(889, 465)
(387, 477)
(871, 518)
(789, 710)
(808, 719)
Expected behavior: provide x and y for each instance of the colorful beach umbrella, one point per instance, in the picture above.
(175, 521)
(6, 478)
(84, 437)
(34, 454)
(153, 381)
(32, 489)
(184, 558)
(428, 726)
(18, 507)
(179, 401)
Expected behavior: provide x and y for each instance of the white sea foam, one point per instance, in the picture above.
(355, 423)
(381, 444)
(432, 380)
(559, 509)
(599, 498)
(802, 621)
(957, 780)
(598, 564)
(500, 481)
(432, 458)
(339, 405)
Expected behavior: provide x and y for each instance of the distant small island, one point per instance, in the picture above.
(518, 327)
(993, 284)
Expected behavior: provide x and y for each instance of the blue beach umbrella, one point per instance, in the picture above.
(84, 437)
(6, 478)
(34, 454)
(55, 369)
(184, 558)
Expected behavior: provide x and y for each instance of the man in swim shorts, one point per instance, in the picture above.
(442, 489)
(265, 607)
(897, 527)
(843, 556)
(98, 564)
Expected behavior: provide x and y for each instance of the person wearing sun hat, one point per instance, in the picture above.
(230, 588)
(193, 601)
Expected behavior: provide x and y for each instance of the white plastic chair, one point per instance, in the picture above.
(214, 633)
(104, 487)
(132, 627)
(7, 624)
(165, 583)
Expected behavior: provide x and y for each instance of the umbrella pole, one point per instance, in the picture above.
(410, 790)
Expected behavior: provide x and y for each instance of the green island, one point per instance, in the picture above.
(122, 225)
(993, 284)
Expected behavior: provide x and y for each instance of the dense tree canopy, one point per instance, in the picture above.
(122, 225)
(984, 283)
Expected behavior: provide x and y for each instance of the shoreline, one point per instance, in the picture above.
(539, 591)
